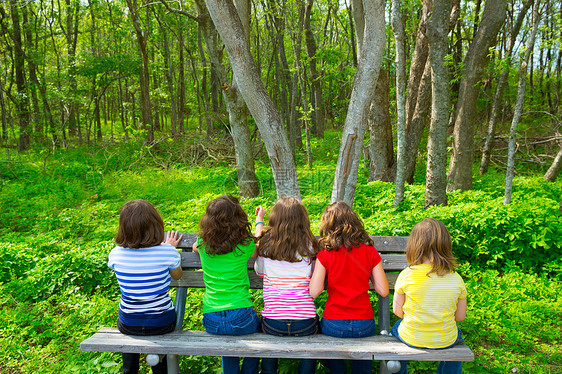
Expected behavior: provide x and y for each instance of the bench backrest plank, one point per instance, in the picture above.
(391, 248)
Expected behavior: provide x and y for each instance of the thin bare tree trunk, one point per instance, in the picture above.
(519, 106)
(316, 87)
(22, 100)
(489, 143)
(370, 59)
(146, 104)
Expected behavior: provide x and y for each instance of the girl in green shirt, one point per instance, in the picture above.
(225, 244)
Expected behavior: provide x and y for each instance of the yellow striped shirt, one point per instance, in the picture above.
(429, 307)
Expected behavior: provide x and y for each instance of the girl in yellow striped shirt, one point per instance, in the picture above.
(430, 296)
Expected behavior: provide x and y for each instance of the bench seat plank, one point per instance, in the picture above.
(320, 346)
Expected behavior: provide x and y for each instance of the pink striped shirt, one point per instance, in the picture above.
(285, 288)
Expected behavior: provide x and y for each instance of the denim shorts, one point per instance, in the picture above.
(348, 328)
(394, 332)
(290, 327)
(241, 321)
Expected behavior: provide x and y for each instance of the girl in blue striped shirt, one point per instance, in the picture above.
(144, 265)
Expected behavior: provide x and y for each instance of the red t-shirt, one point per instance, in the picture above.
(348, 274)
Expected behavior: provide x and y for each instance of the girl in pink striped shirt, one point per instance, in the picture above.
(286, 249)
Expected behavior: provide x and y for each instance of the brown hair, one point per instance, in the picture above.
(224, 226)
(288, 232)
(140, 225)
(430, 241)
(340, 225)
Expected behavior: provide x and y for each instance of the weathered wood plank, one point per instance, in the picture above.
(194, 279)
(383, 244)
(191, 260)
(320, 346)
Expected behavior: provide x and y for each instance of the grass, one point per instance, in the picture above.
(59, 213)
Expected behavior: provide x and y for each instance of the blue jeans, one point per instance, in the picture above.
(349, 328)
(445, 367)
(289, 327)
(241, 321)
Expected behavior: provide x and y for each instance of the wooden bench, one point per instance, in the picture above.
(387, 349)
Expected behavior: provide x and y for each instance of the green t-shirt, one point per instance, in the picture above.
(226, 278)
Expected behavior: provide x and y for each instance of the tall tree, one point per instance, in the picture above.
(22, 98)
(316, 87)
(381, 152)
(488, 145)
(519, 104)
(460, 167)
(398, 29)
(436, 31)
(369, 60)
(144, 76)
(263, 110)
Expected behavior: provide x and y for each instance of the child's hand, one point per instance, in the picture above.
(260, 212)
(173, 238)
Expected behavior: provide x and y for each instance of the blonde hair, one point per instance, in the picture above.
(288, 232)
(430, 241)
(340, 225)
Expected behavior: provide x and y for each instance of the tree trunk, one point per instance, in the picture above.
(489, 143)
(316, 87)
(72, 18)
(460, 168)
(181, 86)
(381, 152)
(22, 100)
(436, 31)
(398, 29)
(370, 60)
(3, 113)
(519, 105)
(554, 170)
(246, 74)
(146, 104)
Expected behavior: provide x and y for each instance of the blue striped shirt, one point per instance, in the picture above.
(144, 279)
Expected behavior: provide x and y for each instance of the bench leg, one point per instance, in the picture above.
(384, 314)
(173, 364)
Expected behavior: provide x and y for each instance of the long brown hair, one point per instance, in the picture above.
(340, 225)
(430, 240)
(140, 225)
(224, 226)
(288, 232)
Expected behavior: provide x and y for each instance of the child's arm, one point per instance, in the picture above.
(260, 212)
(461, 310)
(317, 280)
(379, 280)
(398, 303)
(176, 273)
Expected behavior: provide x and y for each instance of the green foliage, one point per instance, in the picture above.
(60, 214)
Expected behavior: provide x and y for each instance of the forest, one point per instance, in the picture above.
(404, 109)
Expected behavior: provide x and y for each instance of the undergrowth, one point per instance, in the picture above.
(59, 214)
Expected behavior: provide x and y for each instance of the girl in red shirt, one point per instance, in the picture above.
(348, 261)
